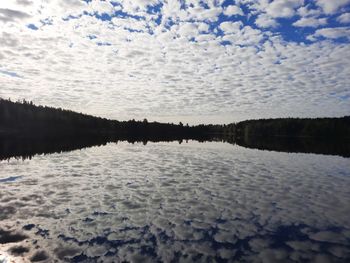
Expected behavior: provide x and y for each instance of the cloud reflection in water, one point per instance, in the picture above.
(170, 202)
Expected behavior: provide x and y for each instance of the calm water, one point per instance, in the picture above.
(168, 202)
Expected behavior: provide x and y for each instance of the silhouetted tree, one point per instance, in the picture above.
(24, 119)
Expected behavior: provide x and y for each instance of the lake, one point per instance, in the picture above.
(171, 202)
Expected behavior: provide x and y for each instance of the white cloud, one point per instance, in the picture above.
(232, 10)
(274, 9)
(264, 21)
(133, 6)
(330, 7)
(249, 36)
(101, 7)
(231, 27)
(344, 18)
(283, 8)
(333, 33)
(305, 11)
(130, 23)
(188, 30)
(203, 14)
(14, 4)
(177, 69)
(310, 22)
(203, 27)
(10, 15)
(16, 11)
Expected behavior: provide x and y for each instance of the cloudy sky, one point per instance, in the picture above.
(194, 61)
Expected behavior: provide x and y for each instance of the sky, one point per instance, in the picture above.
(209, 61)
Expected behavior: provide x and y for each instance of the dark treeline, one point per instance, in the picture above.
(329, 136)
(25, 148)
(297, 145)
(27, 129)
(26, 120)
(330, 128)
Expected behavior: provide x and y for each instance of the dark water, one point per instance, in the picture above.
(171, 202)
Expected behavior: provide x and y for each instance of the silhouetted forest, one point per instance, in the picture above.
(26, 120)
(27, 129)
(297, 145)
(26, 148)
(330, 128)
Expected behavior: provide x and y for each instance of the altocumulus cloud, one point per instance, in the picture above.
(197, 61)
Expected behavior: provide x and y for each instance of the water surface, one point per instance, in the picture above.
(171, 202)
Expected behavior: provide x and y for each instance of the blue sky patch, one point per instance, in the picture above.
(32, 26)
(9, 73)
